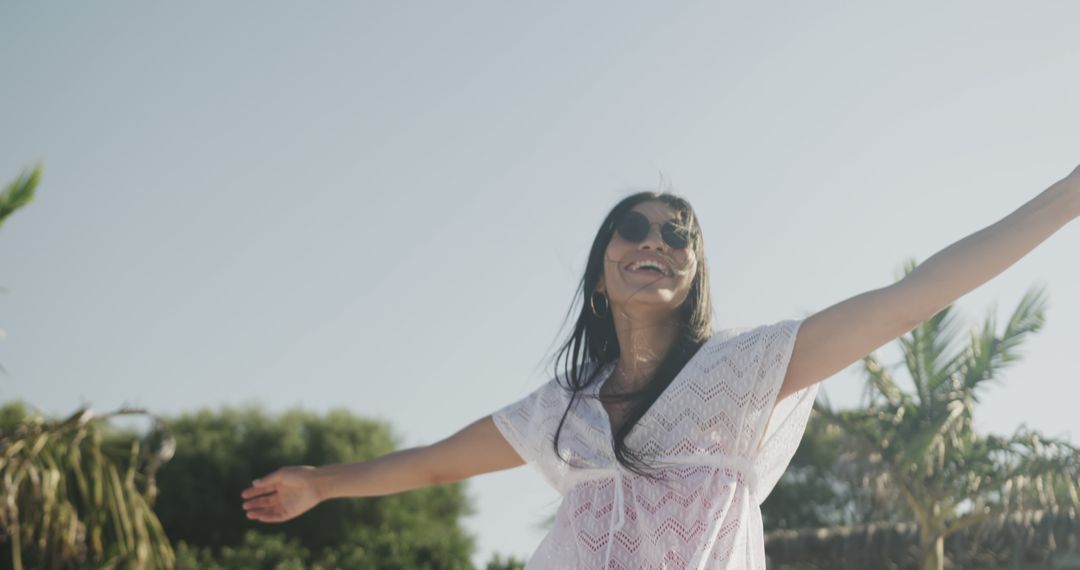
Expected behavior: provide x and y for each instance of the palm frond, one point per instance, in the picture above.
(64, 502)
(929, 439)
(991, 354)
(909, 345)
(946, 332)
(19, 193)
(881, 381)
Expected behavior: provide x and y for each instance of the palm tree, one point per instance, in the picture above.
(918, 450)
(67, 502)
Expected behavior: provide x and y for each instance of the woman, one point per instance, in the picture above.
(664, 438)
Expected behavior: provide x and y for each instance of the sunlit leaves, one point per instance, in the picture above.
(66, 501)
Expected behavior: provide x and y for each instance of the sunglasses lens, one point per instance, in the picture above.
(675, 236)
(633, 227)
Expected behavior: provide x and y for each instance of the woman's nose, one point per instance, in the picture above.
(653, 238)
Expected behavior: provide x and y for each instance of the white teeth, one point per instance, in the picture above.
(648, 263)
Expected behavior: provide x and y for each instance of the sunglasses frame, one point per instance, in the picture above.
(669, 230)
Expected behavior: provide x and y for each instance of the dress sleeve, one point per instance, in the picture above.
(528, 425)
(776, 428)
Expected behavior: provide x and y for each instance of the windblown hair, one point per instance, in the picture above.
(593, 343)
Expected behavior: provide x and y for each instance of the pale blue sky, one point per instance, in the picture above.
(387, 206)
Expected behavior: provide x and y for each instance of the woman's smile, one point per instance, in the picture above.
(647, 271)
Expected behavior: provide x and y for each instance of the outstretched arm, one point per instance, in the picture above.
(974, 260)
(291, 491)
(475, 449)
(837, 336)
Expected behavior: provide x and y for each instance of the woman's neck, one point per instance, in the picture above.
(642, 346)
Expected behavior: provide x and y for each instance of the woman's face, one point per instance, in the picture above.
(635, 291)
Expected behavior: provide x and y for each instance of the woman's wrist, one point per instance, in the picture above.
(331, 481)
(396, 472)
(322, 484)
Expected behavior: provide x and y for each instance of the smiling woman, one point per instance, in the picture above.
(648, 322)
(663, 437)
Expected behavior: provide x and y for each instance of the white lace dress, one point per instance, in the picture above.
(717, 433)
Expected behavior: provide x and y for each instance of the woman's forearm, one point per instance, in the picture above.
(402, 470)
(954, 271)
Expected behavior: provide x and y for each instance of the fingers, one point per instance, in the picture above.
(266, 515)
(263, 515)
(259, 497)
(269, 479)
(265, 501)
(270, 514)
(256, 490)
(266, 508)
(266, 484)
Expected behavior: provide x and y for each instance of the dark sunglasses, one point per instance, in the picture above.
(634, 228)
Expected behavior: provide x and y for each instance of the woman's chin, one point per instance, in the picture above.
(650, 297)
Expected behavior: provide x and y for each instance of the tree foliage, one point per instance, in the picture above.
(219, 453)
(70, 499)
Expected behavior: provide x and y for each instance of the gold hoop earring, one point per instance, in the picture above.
(592, 304)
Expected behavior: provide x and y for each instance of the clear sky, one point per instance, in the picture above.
(386, 206)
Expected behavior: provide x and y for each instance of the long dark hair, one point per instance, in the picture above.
(593, 343)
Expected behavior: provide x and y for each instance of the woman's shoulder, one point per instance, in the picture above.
(744, 337)
(730, 332)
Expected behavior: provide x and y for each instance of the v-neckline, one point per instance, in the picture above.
(609, 369)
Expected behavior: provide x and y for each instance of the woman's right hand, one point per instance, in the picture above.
(282, 495)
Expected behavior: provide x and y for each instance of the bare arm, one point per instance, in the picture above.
(954, 271)
(831, 339)
(835, 337)
(478, 448)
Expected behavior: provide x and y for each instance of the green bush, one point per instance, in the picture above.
(218, 454)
